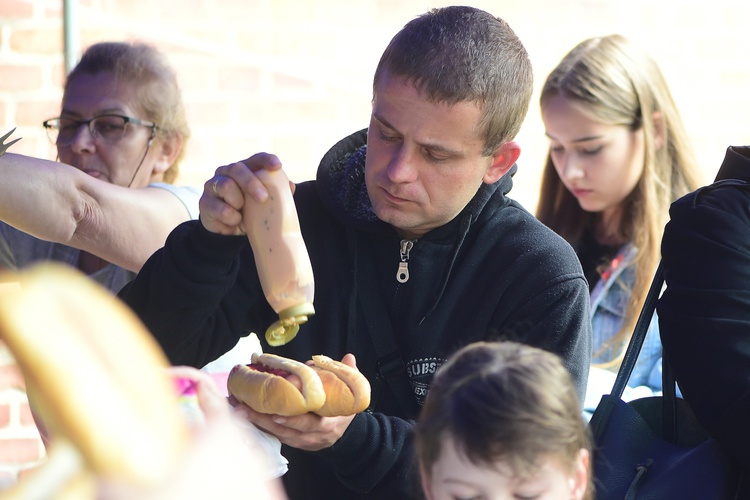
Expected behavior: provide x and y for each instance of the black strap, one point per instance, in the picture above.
(603, 411)
(669, 401)
(639, 334)
(390, 364)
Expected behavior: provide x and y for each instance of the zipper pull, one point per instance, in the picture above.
(402, 275)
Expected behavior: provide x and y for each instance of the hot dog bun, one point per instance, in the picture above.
(93, 372)
(347, 390)
(269, 393)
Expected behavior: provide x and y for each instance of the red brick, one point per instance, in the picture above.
(16, 9)
(33, 113)
(25, 416)
(37, 41)
(31, 146)
(58, 75)
(14, 77)
(4, 415)
(5, 411)
(10, 377)
(19, 450)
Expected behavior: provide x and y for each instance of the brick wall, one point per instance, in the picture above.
(20, 445)
(292, 77)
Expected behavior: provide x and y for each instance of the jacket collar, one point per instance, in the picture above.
(736, 164)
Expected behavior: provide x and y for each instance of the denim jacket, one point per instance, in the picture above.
(609, 300)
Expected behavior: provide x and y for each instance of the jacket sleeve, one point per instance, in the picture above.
(182, 294)
(387, 443)
(561, 321)
(704, 313)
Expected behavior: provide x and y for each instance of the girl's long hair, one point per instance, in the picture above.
(619, 84)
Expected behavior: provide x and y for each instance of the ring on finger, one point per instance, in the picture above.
(215, 186)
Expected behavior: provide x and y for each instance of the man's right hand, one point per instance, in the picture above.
(224, 193)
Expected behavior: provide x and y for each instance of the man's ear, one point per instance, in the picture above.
(503, 159)
(167, 150)
(659, 129)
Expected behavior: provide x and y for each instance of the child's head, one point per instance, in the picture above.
(503, 418)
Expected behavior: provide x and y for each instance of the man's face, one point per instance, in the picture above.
(424, 159)
(89, 96)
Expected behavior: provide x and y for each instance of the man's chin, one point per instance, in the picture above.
(388, 214)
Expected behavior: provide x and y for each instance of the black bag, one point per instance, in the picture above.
(654, 448)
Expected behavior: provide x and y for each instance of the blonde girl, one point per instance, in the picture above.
(619, 155)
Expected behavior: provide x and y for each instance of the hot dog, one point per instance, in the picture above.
(347, 390)
(277, 385)
(267, 385)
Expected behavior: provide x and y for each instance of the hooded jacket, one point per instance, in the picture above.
(492, 273)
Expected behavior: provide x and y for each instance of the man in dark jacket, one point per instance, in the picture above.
(416, 252)
(704, 313)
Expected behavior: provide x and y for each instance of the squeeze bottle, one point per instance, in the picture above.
(281, 256)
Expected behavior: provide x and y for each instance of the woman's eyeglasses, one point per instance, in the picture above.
(107, 128)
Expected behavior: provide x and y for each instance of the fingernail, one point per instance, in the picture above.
(279, 420)
(261, 194)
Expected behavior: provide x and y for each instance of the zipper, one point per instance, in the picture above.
(402, 275)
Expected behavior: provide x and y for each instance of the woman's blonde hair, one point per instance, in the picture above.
(158, 92)
(503, 402)
(619, 84)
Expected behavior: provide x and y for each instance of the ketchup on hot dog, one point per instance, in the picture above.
(292, 378)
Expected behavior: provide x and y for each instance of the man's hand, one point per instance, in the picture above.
(224, 193)
(308, 432)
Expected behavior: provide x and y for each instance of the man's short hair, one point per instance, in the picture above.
(458, 54)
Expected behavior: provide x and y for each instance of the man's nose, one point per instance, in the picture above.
(402, 165)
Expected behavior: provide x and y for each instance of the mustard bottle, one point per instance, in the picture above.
(281, 256)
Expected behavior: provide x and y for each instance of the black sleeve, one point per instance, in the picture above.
(704, 313)
(375, 456)
(561, 323)
(193, 297)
